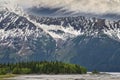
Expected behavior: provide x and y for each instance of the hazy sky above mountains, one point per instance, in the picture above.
(86, 6)
(89, 6)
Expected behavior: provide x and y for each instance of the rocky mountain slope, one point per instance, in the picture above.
(22, 40)
(90, 42)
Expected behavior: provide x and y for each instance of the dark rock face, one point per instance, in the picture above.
(100, 52)
(94, 53)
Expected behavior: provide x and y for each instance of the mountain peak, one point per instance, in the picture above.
(11, 6)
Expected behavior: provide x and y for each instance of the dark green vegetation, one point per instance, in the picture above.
(7, 76)
(95, 72)
(41, 68)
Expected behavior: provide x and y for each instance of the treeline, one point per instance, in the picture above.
(41, 68)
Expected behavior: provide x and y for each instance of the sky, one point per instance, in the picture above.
(75, 6)
(87, 6)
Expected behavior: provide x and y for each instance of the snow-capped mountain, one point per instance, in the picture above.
(20, 39)
(11, 6)
(79, 25)
(91, 42)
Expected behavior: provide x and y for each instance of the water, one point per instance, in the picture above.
(110, 76)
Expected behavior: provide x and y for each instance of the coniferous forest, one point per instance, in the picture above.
(41, 68)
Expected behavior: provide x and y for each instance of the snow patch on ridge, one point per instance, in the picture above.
(18, 33)
(68, 32)
(113, 33)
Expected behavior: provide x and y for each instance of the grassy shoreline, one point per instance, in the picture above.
(2, 77)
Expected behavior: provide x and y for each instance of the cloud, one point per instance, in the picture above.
(87, 6)
(83, 6)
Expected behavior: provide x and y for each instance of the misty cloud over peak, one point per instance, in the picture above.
(86, 6)
(60, 7)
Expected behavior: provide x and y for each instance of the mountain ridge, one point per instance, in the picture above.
(90, 42)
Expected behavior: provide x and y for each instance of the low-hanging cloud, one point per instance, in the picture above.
(84, 6)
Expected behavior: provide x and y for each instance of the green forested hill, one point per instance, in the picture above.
(42, 68)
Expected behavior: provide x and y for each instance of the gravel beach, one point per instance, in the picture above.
(108, 76)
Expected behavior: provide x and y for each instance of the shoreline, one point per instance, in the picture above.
(88, 76)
